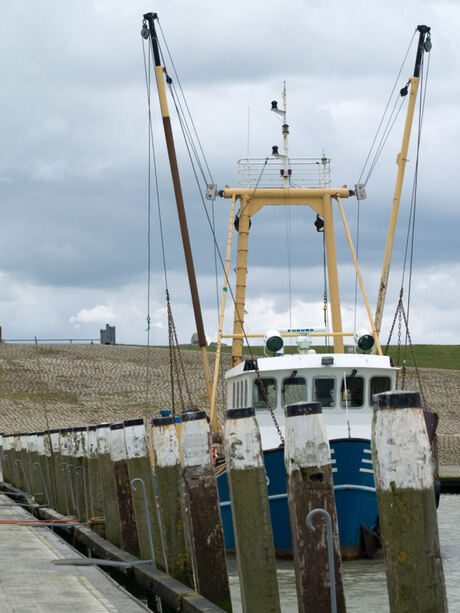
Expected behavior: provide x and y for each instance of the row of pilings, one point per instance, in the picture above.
(168, 512)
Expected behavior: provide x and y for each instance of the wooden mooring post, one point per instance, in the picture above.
(66, 467)
(140, 467)
(207, 536)
(109, 498)
(6, 460)
(251, 514)
(59, 476)
(78, 459)
(96, 501)
(403, 473)
(30, 458)
(171, 498)
(123, 492)
(309, 485)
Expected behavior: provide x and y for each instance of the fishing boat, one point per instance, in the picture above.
(342, 381)
(344, 378)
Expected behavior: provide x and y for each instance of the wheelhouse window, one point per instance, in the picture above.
(294, 390)
(324, 391)
(264, 389)
(352, 392)
(379, 385)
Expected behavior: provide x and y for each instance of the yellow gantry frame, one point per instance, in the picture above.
(320, 200)
(252, 200)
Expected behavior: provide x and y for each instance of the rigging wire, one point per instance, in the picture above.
(147, 73)
(387, 105)
(325, 297)
(288, 249)
(410, 236)
(191, 148)
(386, 133)
(357, 259)
(175, 358)
(185, 102)
(189, 135)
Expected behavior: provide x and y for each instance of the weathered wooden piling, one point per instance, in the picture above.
(66, 468)
(404, 483)
(30, 458)
(111, 520)
(123, 492)
(49, 472)
(80, 460)
(59, 475)
(23, 466)
(18, 480)
(307, 459)
(2, 455)
(6, 464)
(39, 470)
(207, 536)
(171, 498)
(96, 500)
(140, 467)
(251, 514)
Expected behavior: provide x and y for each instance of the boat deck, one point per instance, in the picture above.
(30, 582)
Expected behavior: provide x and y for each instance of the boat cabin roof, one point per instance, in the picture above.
(302, 361)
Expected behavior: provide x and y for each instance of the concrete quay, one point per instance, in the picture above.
(30, 582)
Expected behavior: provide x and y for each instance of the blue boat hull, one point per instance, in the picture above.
(354, 496)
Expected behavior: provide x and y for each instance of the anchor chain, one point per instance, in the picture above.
(400, 315)
(265, 397)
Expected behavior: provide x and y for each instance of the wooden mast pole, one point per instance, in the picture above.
(159, 75)
(401, 162)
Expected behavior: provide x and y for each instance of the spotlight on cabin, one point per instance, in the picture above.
(364, 340)
(273, 341)
(275, 150)
(274, 105)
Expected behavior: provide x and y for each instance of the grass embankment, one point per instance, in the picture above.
(426, 356)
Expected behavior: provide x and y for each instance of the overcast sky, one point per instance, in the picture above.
(73, 161)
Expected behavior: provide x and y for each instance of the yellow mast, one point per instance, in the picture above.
(424, 37)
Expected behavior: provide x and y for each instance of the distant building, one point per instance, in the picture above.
(108, 335)
(194, 340)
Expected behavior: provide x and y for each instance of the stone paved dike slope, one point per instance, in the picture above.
(89, 384)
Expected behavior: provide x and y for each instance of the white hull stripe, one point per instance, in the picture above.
(337, 488)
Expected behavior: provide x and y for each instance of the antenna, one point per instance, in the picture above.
(249, 117)
(285, 172)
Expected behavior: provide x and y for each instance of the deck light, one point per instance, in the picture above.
(274, 105)
(275, 150)
(364, 340)
(273, 341)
